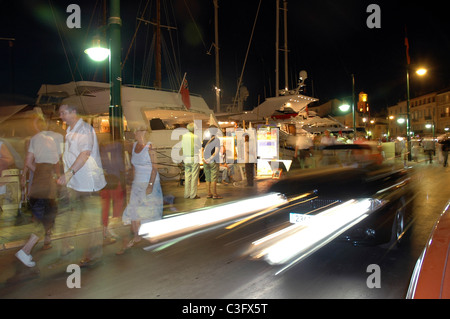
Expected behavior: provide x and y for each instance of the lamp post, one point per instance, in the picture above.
(345, 107)
(408, 117)
(420, 72)
(430, 125)
(115, 78)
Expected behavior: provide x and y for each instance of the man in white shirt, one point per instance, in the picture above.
(83, 175)
(191, 145)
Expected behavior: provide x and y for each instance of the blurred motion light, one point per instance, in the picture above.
(299, 240)
(400, 120)
(97, 52)
(186, 223)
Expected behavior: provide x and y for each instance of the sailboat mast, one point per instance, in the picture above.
(277, 58)
(277, 49)
(286, 83)
(216, 46)
(158, 80)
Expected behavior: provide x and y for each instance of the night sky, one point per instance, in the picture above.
(328, 39)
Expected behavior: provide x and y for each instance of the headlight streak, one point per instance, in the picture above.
(261, 213)
(297, 241)
(190, 222)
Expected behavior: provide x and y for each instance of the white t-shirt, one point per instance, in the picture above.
(47, 147)
(90, 177)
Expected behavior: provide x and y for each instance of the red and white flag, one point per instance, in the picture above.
(184, 90)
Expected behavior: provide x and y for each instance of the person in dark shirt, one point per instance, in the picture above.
(211, 155)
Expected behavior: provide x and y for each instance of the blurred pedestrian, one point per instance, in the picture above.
(6, 160)
(249, 164)
(429, 148)
(43, 160)
(83, 175)
(303, 147)
(113, 162)
(445, 148)
(210, 156)
(191, 146)
(327, 155)
(146, 198)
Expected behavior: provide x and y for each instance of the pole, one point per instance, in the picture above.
(277, 58)
(408, 119)
(115, 78)
(353, 106)
(286, 75)
(158, 81)
(216, 46)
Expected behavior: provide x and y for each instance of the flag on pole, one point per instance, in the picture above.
(408, 59)
(184, 90)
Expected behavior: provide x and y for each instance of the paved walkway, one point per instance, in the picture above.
(15, 230)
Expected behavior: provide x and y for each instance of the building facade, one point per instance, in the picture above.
(429, 114)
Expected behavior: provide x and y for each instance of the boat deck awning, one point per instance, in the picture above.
(298, 103)
(8, 111)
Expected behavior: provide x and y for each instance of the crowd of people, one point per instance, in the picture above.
(309, 150)
(91, 176)
(88, 173)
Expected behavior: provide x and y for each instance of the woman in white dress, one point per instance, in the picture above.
(146, 198)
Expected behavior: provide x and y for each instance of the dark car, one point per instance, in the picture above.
(357, 174)
(360, 201)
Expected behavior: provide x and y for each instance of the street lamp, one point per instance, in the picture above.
(420, 72)
(97, 52)
(430, 125)
(115, 78)
(345, 107)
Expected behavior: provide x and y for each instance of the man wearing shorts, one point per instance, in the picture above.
(211, 157)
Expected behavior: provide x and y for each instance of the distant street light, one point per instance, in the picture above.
(420, 72)
(430, 125)
(344, 107)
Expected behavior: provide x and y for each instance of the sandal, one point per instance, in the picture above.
(130, 244)
(46, 246)
(217, 197)
(108, 240)
(86, 262)
(209, 196)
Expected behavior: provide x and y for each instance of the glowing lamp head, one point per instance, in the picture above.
(344, 107)
(421, 71)
(97, 52)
